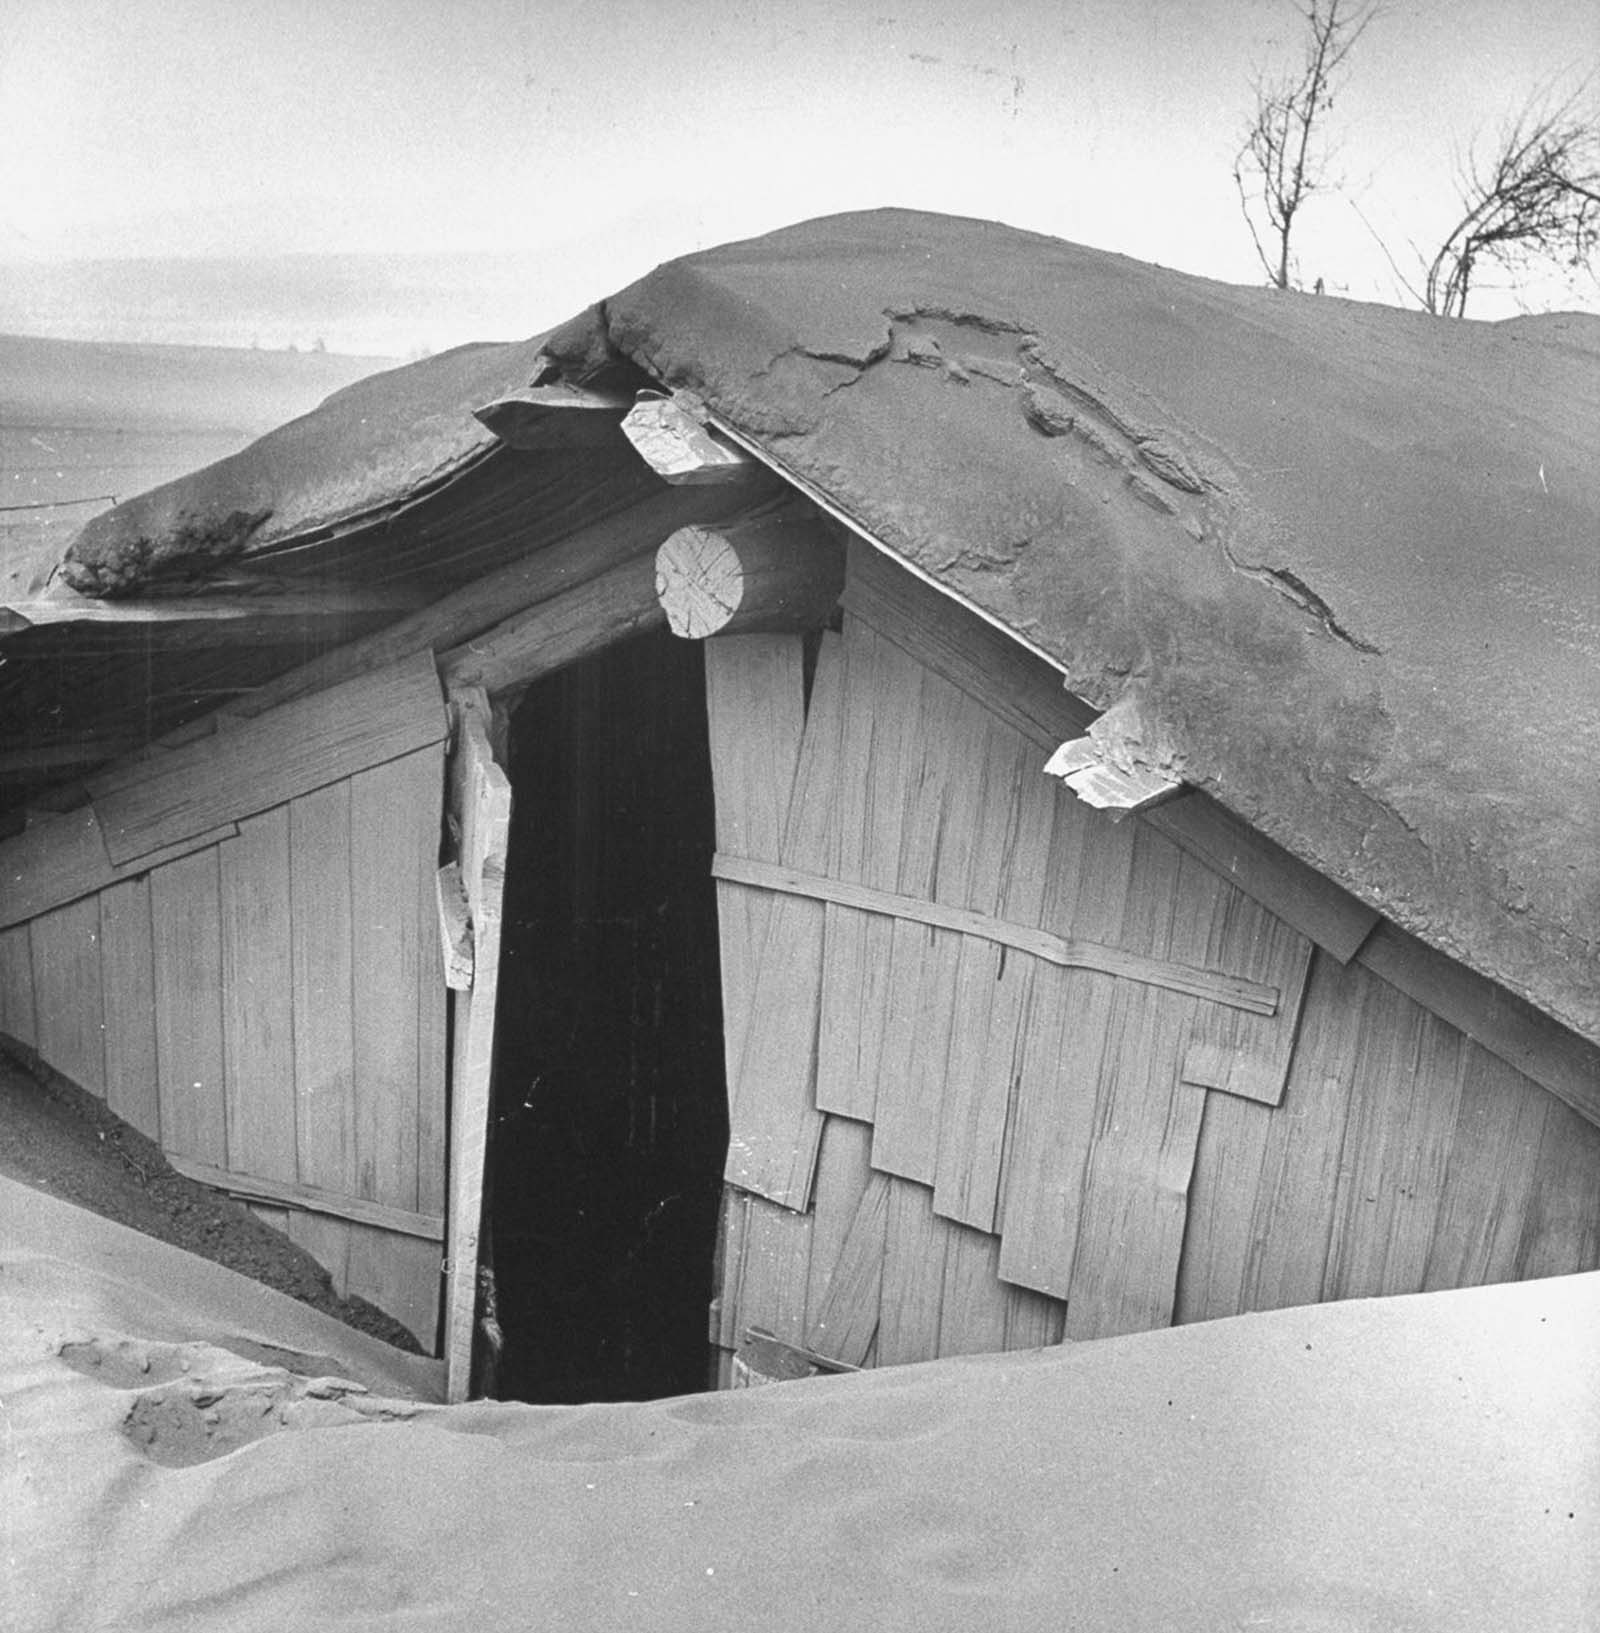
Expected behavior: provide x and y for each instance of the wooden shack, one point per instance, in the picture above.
(930, 789)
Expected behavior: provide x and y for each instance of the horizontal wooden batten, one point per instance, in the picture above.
(1234, 991)
(62, 859)
(261, 763)
(1507, 1026)
(311, 1198)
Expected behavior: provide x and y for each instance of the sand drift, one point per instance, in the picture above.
(185, 1449)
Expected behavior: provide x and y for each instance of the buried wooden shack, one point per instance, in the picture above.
(660, 837)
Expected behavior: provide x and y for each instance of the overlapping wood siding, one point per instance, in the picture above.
(1003, 1071)
(268, 1006)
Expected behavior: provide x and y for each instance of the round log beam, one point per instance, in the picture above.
(781, 572)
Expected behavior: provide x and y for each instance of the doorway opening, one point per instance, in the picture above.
(610, 1105)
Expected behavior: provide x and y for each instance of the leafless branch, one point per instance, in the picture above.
(1394, 266)
(1281, 162)
(1535, 199)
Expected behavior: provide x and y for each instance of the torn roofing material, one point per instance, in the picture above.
(1334, 563)
(370, 447)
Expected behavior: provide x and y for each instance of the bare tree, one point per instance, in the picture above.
(1281, 162)
(1536, 200)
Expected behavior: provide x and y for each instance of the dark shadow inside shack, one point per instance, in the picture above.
(610, 1121)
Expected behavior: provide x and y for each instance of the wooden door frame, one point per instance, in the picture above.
(478, 803)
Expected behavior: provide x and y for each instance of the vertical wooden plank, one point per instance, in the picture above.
(1562, 1229)
(840, 1073)
(912, 1288)
(1294, 1208)
(844, 1167)
(186, 941)
(911, 1088)
(1032, 1320)
(324, 1026)
(16, 986)
(68, 1001)
(258, 997)
(1491, 1174)
(975, 1304)
(1218, 1242)
(1402, 1114)
(1141, 1159)
(731, 1220)
(1064, 1031)
(774, 1122)
(1248, 1057)
(845, 1326)
(755, 708)
(393, 812)
(1415, 1182)
(898, 987)
(324, 1023)
(432, 1028)
(1064, 1039)
(955, 1077)
(1135, 1188)
(399, 1080)
(992, 989)
(882, 748)
(480, 801)
(776, 1261)
(132, 1074)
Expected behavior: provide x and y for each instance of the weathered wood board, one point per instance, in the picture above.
(480, 804)
(258, 998)
(16, 986)
(304, 745)
(186, 937)
(128, 981)
(774, 1122)
(755, 705)
(63, 859)
(69, 1000)
(394, 834)
(876, 804)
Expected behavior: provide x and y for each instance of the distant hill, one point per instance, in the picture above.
(83, 423)
(134, 387)
(398, 305)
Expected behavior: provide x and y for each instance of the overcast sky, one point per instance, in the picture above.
(603, 136)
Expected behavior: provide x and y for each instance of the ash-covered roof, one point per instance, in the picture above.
(1336, 563)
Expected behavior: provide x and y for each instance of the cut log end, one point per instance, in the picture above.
(782, 572)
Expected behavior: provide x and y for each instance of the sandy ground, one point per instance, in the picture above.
(184, 1449)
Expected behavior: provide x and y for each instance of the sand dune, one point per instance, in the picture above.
(186, 1450)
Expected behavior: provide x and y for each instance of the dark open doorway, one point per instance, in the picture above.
(610, 1114)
